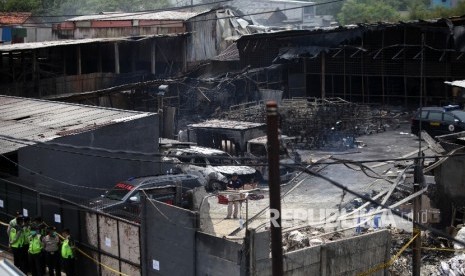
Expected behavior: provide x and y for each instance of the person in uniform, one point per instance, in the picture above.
(67, 253)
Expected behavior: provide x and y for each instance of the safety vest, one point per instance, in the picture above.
(26, 235)
(35, 246)
(66, 251)
(15, 243)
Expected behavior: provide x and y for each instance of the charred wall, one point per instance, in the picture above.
(387, 64)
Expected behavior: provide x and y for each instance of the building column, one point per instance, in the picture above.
(79, 62)
(117, 68)
(152, 56)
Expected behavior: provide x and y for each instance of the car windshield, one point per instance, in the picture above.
(221, 159)
(460, 114)
(119, 191)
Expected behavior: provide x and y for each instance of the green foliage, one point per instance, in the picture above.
(59, 7)
(20, 5)
(328, 9)
(367, 11)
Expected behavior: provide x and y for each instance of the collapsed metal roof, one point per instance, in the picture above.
(25, 122)
(226, 124)
(56, 43)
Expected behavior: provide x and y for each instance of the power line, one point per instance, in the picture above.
(199, 20)
(395, 212)
(141, 11)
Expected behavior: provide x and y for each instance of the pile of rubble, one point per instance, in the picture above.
(321, 123)
(433, 262)
(306, 237)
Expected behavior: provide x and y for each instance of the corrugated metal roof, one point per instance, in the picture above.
(46, 44)
(40, 121)
(11, 18)
(162, 15)
(226, 124)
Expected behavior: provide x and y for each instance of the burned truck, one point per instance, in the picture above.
(244, 139)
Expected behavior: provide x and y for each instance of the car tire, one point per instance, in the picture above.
(215, 185)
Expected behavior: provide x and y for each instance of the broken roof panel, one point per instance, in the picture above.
(26, 122)
(162, 15)
(14, 18)
(56, 43)
(226, 124)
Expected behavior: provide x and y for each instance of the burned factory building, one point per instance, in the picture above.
(370, 63)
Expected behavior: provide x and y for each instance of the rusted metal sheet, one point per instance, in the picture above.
(111, 264)
(162, 23)
(12, 18)
(129, 242)
(108, 235)
(111, 24)
(130, 269)
(91, 229)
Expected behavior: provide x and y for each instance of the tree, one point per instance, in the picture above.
(20, 5)
(367, 11)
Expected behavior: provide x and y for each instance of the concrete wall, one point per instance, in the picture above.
(218, 256)
(169, 236)
(349, 256)
(79, 174)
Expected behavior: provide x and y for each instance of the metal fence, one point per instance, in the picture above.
(107, 245)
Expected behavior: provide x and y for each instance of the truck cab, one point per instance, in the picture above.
(257, 149)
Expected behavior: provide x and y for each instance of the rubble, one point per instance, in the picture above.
(308, 236)
(330, 123)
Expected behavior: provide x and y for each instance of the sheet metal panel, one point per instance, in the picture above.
(129, 242)
(109, 241)
(41, 120)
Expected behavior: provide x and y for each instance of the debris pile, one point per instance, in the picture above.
(320, 123)
(306, 237)
(433, 262)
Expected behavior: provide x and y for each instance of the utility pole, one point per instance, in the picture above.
(418, 179)
(416, 245)
(272, 120)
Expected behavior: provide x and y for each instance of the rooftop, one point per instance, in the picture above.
(14, 18)
(56, 43)
(25, 122)
(161, 15)
(225, 124)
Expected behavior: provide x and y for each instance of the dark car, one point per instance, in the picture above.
(439, 120)
(125, 196)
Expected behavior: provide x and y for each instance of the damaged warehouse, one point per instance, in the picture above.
(344, 98)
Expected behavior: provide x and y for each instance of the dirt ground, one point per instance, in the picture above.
(309, 200)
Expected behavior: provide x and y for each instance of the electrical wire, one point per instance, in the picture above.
(395, 212)
(164, 23)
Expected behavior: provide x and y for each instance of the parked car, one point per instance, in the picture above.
(439, 120)
(214, 167)
(125, 195)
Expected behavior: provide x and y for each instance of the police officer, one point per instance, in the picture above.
(35, 253)
(26, 233)
(52, 255)
(67, 253)
(15, 240)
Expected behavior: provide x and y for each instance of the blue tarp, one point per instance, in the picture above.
(6, 34)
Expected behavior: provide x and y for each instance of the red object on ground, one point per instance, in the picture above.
(222, 199)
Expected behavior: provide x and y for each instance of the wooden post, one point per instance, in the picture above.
(323, 77)
(100, 62)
